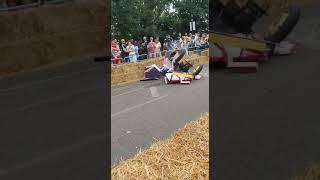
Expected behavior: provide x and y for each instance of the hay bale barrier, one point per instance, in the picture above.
(125, 73)
(276, 6)
(312, 172)
(184, 155)
(52, 34)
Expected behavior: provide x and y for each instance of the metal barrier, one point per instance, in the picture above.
(144, 57)
(11, 5)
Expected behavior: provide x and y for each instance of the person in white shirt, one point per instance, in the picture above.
(132, 52)
(158, 47)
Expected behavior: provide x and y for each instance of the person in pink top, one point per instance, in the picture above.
(158, 47)
(151, 48)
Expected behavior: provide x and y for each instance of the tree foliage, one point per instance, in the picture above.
(138, 18)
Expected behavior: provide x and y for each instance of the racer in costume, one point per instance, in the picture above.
(174, 69)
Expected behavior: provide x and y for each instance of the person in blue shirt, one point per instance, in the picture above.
(136, 48)
(170, 45)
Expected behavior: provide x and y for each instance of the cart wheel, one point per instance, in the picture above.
(197, 70)
(181, 52)
(282, 27)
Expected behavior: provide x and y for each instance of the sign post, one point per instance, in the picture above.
(192, 25)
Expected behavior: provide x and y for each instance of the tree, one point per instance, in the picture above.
(133, 19)
(196, 10)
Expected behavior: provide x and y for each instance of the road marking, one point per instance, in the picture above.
(52, 155)
(154, 91)
(41, 102)
(137, 106)
(128, 92)
(135, 85)
(46, 80)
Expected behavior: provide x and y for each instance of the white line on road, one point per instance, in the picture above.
(128, 92)
(134, 85)
(45, 80)
(138, 105)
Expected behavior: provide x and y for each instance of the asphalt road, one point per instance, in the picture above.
(144, 112)
(266, 125)
(53, 124)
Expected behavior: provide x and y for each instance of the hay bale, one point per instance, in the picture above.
(184, 155)
(311, 173)
(51, 19)
(49, 35)
(204, 53)
(194, 61)
(134, 71)
(45, 50)
(204, 60)
(276, 6)
(117, 69)
(116, 79)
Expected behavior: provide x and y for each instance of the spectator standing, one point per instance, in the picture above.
(141, 50)
(179, 36)
(123, 49)
(175, 45)
(197, 43)
(132, 52)
(165, 47)
(144, 47)
(191, 44)
(158, 47)
(185, 44)
(136, 49)
(203, 42)
(207, 40)
(115, 51)
(151, 48)
(179, 42)
(169, 45)
(190, 36)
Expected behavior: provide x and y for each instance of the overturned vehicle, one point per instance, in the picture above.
(174, 69)
(232, 22)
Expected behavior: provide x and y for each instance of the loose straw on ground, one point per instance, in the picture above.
(184, 155)
(311, 173)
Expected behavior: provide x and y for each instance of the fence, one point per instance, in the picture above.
(143, 57)
(11, 5)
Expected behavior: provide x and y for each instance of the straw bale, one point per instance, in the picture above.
(134, 71)
(276, 6)
(51, 19)
(184, 155)
(312, 172)
(204, 59)
(52, 49)
(205, 53)
(53, 34)
(117, 69)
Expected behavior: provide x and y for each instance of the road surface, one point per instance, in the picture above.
(52, 123)
(266, 125)
(144, 112)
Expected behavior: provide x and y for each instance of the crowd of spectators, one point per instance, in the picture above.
(134, 50)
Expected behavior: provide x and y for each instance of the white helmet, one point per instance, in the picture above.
(197, 77)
